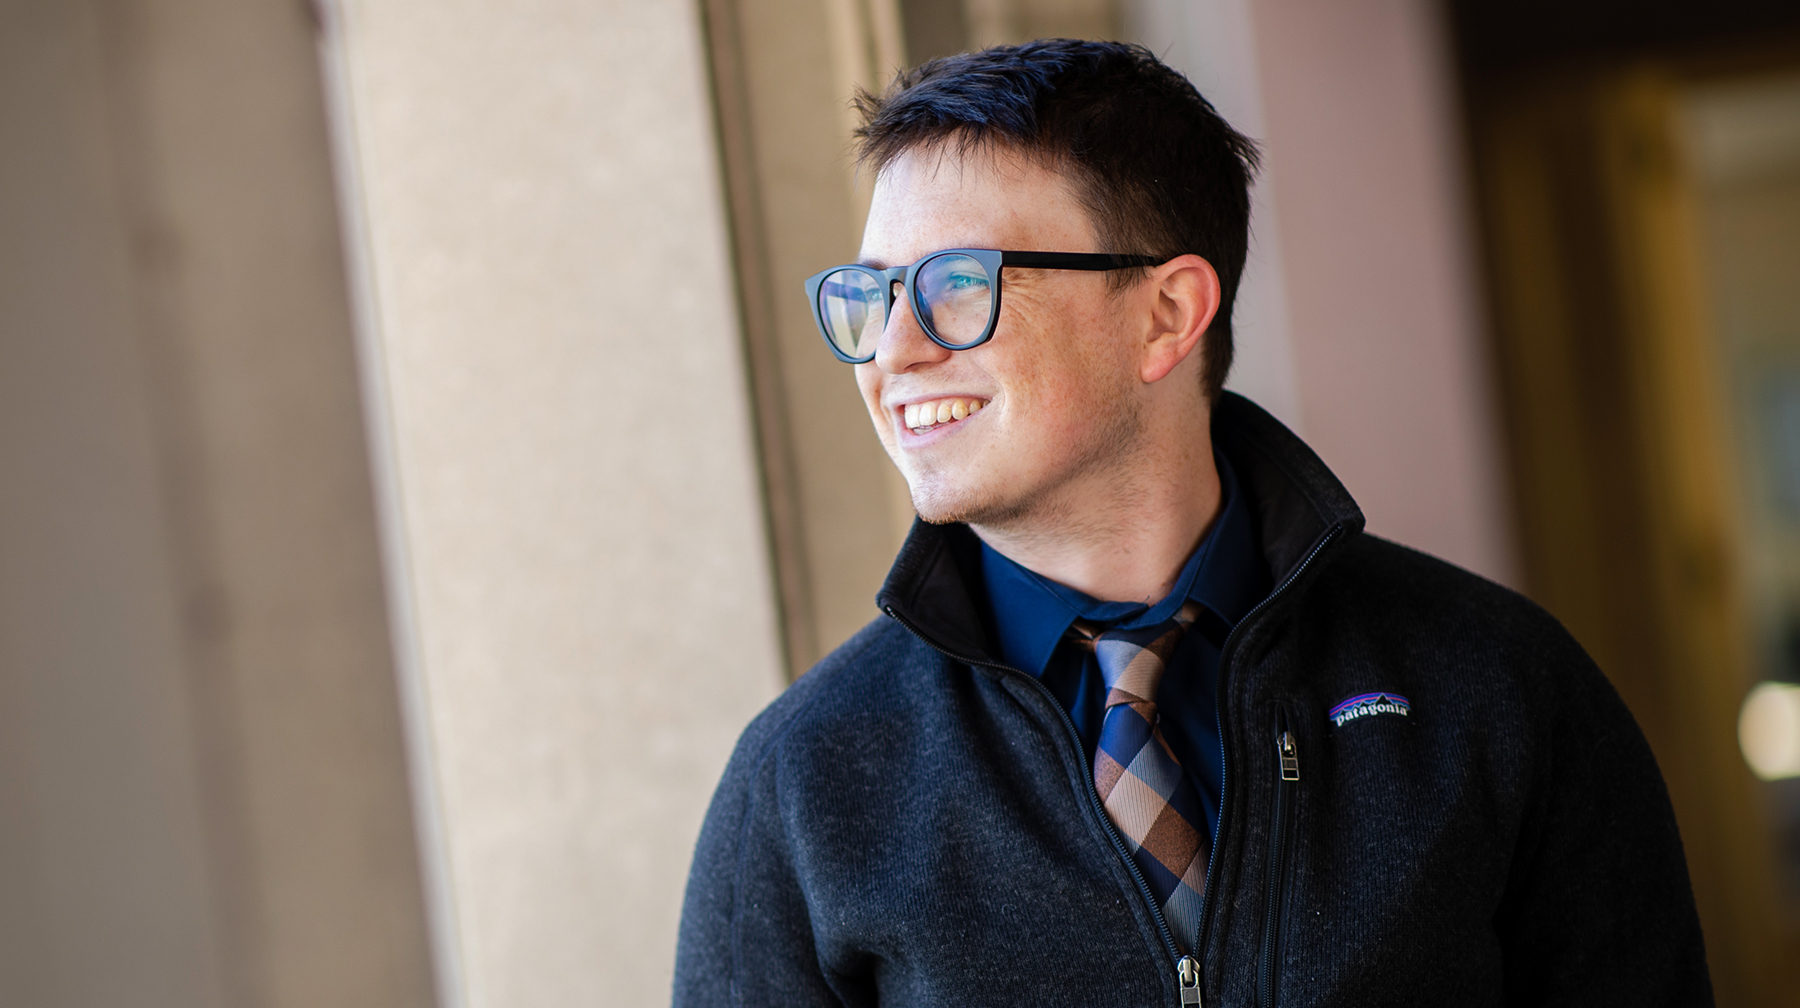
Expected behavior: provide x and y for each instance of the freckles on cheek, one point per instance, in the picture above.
(1059, 381)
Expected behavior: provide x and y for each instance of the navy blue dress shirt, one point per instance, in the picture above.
(1226, 574)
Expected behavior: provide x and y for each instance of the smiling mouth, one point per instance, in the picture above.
(922, 417)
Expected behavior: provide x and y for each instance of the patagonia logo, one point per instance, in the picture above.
(1364, 704)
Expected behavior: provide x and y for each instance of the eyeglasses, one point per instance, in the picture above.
(955, 295)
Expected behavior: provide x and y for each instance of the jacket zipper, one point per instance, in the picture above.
(1187, 967)
(1287, 781)
(1225, 655)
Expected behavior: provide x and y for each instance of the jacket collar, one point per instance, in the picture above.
(1295, 502)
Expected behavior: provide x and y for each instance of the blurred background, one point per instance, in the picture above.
(417, 464)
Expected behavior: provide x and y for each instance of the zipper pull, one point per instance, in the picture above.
(1290, 756)
(1187, 974)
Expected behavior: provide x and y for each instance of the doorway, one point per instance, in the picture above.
(1640, 205)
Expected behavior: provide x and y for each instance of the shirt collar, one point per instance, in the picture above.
(1032, 613)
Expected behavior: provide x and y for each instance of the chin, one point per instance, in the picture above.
(938, 515)
(936, 501)
(942, 504)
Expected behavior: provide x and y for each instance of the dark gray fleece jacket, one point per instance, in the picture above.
(912, 823)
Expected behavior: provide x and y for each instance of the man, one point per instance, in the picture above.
(1147, 718)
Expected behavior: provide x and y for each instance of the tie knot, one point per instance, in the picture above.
(1132, 662)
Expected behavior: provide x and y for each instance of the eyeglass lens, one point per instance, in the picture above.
(854, 308)
(955, 290)
(957, 298)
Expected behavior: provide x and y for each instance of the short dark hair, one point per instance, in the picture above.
(1159, 171)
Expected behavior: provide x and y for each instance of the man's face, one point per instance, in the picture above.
(1051, 404)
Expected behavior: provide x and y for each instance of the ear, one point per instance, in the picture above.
(1184, 295)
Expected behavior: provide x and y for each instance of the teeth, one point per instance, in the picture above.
(924, 416)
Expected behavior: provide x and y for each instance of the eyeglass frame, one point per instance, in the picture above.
(992, 260)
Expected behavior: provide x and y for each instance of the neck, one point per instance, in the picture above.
(1121, 535)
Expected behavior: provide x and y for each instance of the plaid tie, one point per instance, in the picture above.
(1141, 783)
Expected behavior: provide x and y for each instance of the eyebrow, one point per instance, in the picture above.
(872, 263)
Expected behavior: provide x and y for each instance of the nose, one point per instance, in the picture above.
(904, 344)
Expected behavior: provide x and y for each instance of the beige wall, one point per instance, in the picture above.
(202, 794)
(1365, 150)
(784, 73)
(998, 22)
(104, 893)
(553, 312)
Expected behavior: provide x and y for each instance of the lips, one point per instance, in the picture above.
(923, 416)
